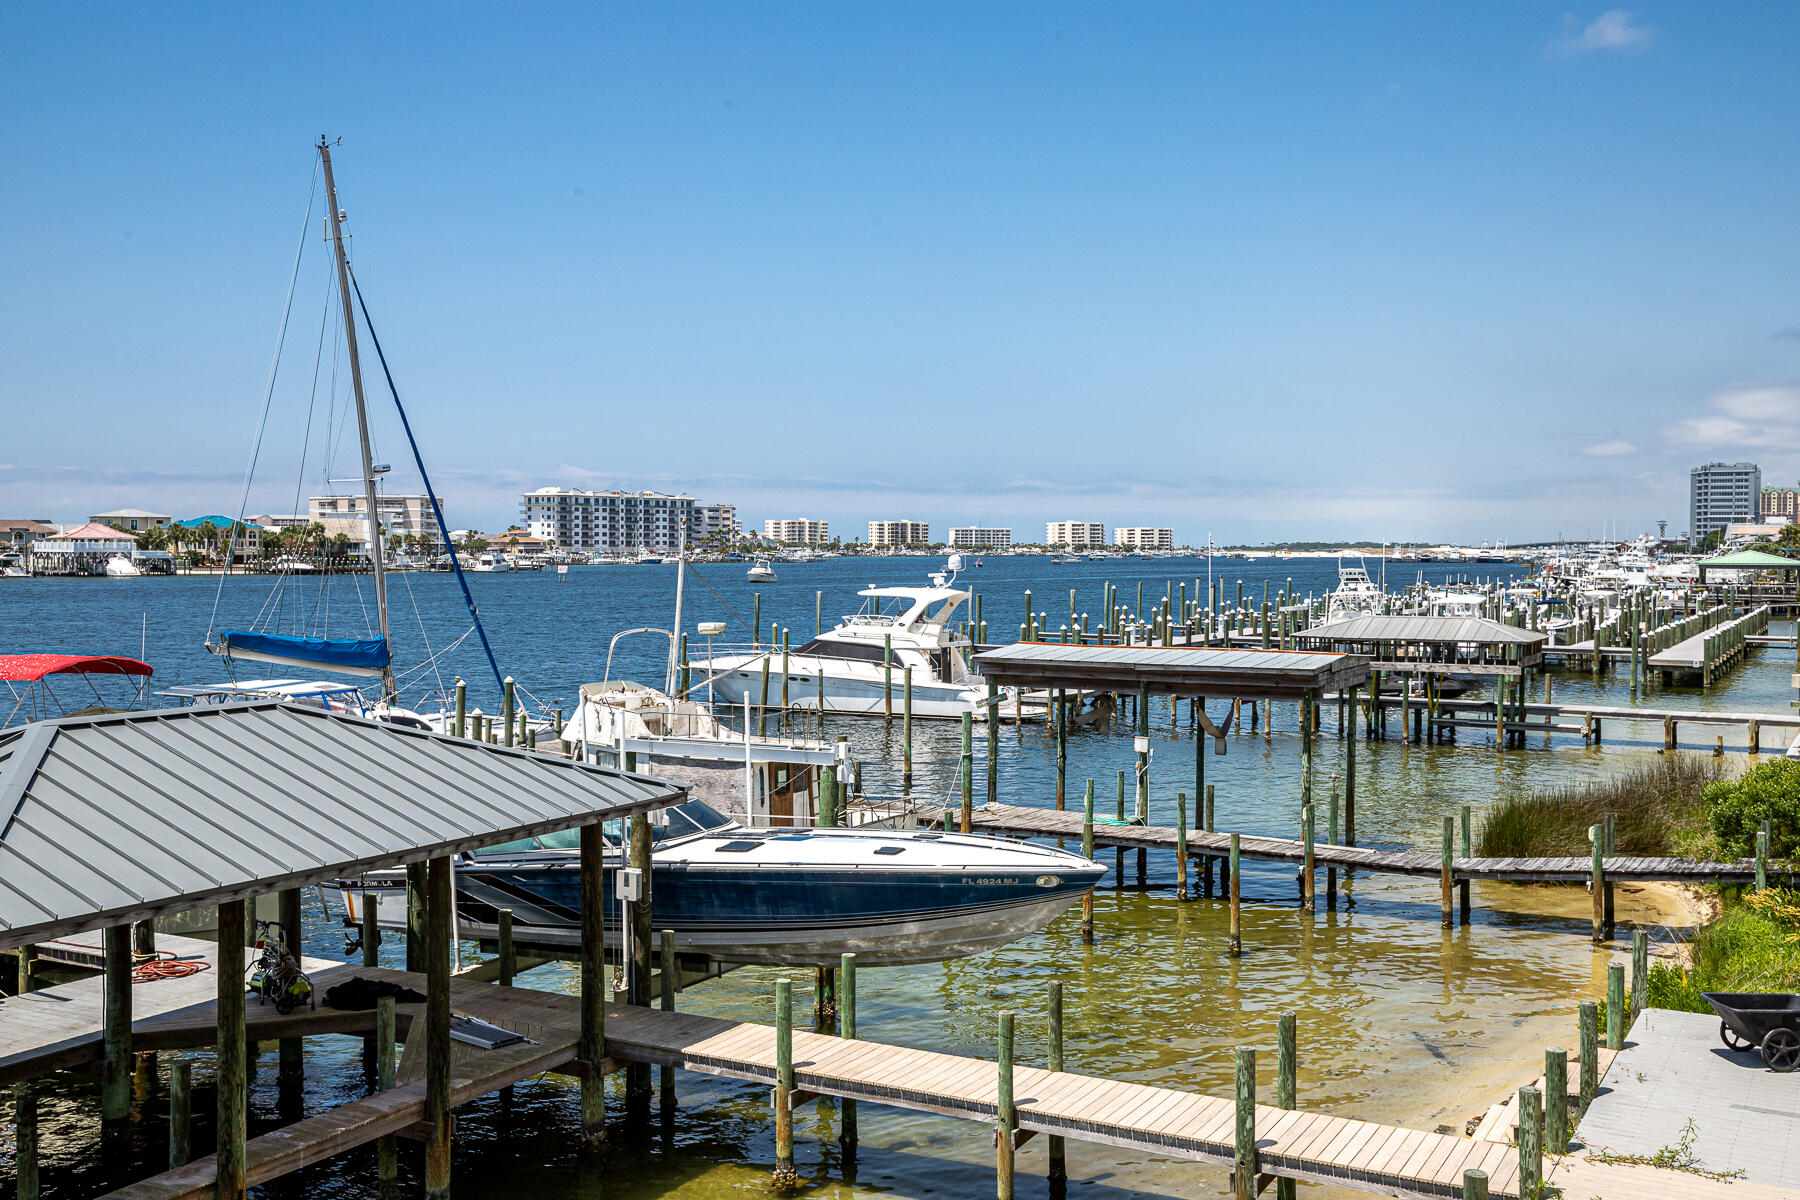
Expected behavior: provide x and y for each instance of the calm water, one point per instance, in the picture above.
(1399, 1019)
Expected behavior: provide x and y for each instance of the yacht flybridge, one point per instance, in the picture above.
(849, 669)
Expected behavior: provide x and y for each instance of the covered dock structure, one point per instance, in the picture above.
(1198, 672)
(112, 820)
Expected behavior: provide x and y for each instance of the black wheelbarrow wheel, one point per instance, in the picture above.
(1781, 1049)
(1732, 1041)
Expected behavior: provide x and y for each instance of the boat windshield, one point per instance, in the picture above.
(684, 820)
(696, 816)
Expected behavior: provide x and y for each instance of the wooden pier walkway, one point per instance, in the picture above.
(1019, 821)
(1342, 1151)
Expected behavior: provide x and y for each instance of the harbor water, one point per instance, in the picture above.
(1400, 1020)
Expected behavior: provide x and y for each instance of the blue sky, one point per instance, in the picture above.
(1389, 271)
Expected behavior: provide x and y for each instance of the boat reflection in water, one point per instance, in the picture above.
(798, 897)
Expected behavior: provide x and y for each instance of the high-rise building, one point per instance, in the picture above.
(714, 518)
(899, 533)
(401, 516)
(1720, 493)
(1144, 537)
(802, 530)
(1075, 534)
(610, 522)
(974, 537)
(1781, 502)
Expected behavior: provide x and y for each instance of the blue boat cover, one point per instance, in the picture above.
(356, 655)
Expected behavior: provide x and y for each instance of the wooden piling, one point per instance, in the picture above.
(1087, 852)
(181, 1112)
(1350, 774)
(887, 677)
(1446, 870)
(1181, 846)
(846, 1002)
(906, 771)
(1237, 945)
(1061, 706)
(1597, 881)
(1204, 819)
(1589, 1028)
(1244, 1159)
(1474, 1184)
(1762, 859)
(25, 1150)
(462, 708)
(291, 1058)
(1287, 1084)
(439, 901)
(993, 741)
(671, 977)
(1059, 1170)
(229, 1127)
(1006, 1116)
(1615, 1006)
(784, 1177)
(1531, 1145)
(1640, 971)
(593, 984)
(1556, 1100)
(1308, 868)
(508, 699)
(637, 1075)
(115, 1090)
(1468, 849)
(387, 1151)
(968, 773)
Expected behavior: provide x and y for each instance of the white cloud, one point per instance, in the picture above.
(1767, 416)
(1613, 29)
(1608, 449)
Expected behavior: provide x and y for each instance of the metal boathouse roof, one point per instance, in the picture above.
(113, 818)
(1180, 670)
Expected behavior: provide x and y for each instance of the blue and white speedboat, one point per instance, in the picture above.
(795, 897)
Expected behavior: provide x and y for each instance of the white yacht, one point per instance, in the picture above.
(491, 561)
(761, 571)
(1355, 593)
(851, 660)
(120, 566)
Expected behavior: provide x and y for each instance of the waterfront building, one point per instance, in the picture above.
(1076, 535)
(802, 530)
(1781, 502)
(81, 549)
(1144, 537)
(712, 519)
(612, 522)
(22, 531)
(976, 537)
(899, 533)
(1721, 493)
(136, 520)
(281, 520)
(246, 546)
(401, 516)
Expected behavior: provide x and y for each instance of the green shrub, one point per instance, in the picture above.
(1738, 807)
(1748, 950)
(1656, 806)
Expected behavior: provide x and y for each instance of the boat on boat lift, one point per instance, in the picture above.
(851, 666)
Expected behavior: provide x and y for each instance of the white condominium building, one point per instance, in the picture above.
(714, 518)
(609, 522)
(899, 533)
(1144, 537)
(803, 530)
(975, 537)
(1075, 533)
(1721, 493)
(401, 516)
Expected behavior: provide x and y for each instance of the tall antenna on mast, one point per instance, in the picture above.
(376, 549)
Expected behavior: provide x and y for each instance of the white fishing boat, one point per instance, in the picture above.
(121, 567)
(856, 666)
(1355, 593)
(761, 571)
(491, 561)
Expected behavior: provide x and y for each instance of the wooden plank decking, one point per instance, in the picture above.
(1021, 821)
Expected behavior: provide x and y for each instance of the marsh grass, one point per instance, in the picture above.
(1656, 806)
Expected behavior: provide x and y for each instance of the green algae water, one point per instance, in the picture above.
(1400, 1020)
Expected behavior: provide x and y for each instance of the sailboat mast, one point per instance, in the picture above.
(376, 549)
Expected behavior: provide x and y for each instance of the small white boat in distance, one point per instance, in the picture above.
(1355, 593)
(761, 571)
(120, 567)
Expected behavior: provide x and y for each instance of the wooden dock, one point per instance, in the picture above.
(1346, 1152)
(1019, 821)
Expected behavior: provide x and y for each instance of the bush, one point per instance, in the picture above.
(1656, 806)
(1738, 807)
(1754, 947)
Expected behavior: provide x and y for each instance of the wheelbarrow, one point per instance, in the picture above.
(1769, 1021)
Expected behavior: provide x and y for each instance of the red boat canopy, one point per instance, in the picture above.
(30, 668)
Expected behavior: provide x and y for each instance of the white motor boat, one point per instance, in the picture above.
(121, 567)
(1355, 593)
(761, 571)
(850, 668)
(491, 561)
